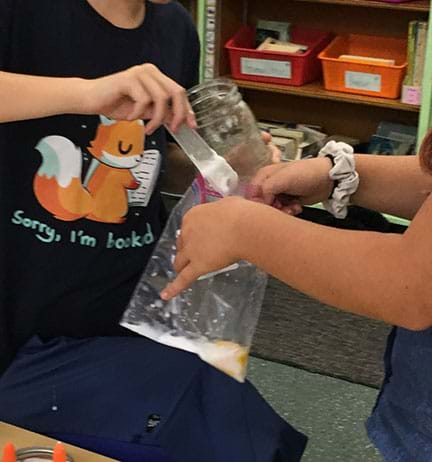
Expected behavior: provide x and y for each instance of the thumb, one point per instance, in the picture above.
(266, 137)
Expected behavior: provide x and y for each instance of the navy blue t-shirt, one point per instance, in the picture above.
(80, 209)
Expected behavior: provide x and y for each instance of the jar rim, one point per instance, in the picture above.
(228, 94)
(222, 81)
(200, 92)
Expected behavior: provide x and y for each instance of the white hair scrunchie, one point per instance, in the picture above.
(344, 174)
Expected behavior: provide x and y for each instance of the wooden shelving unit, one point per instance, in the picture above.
(417, 5)
(317, 90)
(340, 113)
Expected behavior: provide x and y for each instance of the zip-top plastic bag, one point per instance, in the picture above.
(215, 318)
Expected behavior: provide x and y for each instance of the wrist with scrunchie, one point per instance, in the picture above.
(344, 175)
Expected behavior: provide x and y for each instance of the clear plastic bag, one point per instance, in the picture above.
(215, 318)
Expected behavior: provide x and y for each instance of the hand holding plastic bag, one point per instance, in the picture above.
(216, 318)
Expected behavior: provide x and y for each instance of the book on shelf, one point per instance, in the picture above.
(388, 146)
(420, 52)
(416, 56)
(396, 131)
(410, 52)
(272, 44)
(393, 139)
(209, 21)
(278, 30)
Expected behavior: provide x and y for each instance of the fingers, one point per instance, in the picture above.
(276, 153)
(191, 119)
(256, 191)
(158, 98)
(177, 100)
(183, 280)
(175, 107)
(181, 260)
(288, 204)
(293, 209)
(142, 107)
(181, 108)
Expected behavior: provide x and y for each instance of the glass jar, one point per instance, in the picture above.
(229, 127)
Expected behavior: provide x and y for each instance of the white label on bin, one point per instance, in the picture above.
(363, 81)
(266, 67)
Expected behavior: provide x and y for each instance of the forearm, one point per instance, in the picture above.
(28, 97)
(366, 273)
(391, 184)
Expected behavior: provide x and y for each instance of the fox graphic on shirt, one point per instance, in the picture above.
(118, 147)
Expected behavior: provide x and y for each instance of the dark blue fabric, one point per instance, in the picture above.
(107, 388)
(401, 424)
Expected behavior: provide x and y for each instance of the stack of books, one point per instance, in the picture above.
(296, 141)
(417, 42)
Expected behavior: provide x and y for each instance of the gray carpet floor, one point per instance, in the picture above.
(299, 331)
(330, 411)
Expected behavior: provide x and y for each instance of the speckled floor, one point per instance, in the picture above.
(330, 411)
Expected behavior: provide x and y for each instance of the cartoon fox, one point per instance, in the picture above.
(117, 148)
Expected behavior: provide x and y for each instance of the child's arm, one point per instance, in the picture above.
(382, 276)
(139, 92)
(388, 184)
(29, 97)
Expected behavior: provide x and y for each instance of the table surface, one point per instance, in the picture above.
(22, 438)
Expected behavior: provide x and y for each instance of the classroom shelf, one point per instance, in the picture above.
(417, 5)
(316, 90)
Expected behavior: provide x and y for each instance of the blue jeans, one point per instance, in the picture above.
(131, 395)
(401, 423)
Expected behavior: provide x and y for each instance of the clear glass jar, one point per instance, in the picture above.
(229, 127)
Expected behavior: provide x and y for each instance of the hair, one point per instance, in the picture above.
(426, 153)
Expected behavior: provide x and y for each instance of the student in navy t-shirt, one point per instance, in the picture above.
(80, 212)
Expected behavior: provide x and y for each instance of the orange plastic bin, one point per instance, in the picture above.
(362, 77)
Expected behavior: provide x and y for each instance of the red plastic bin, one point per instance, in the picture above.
(247, 63)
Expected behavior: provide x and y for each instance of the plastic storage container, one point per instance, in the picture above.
(247, 63)
(364, 78)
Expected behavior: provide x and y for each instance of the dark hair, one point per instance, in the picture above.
(426, 153)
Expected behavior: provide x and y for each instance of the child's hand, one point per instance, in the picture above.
(141, 92)
(290, 185)
(210, 240)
